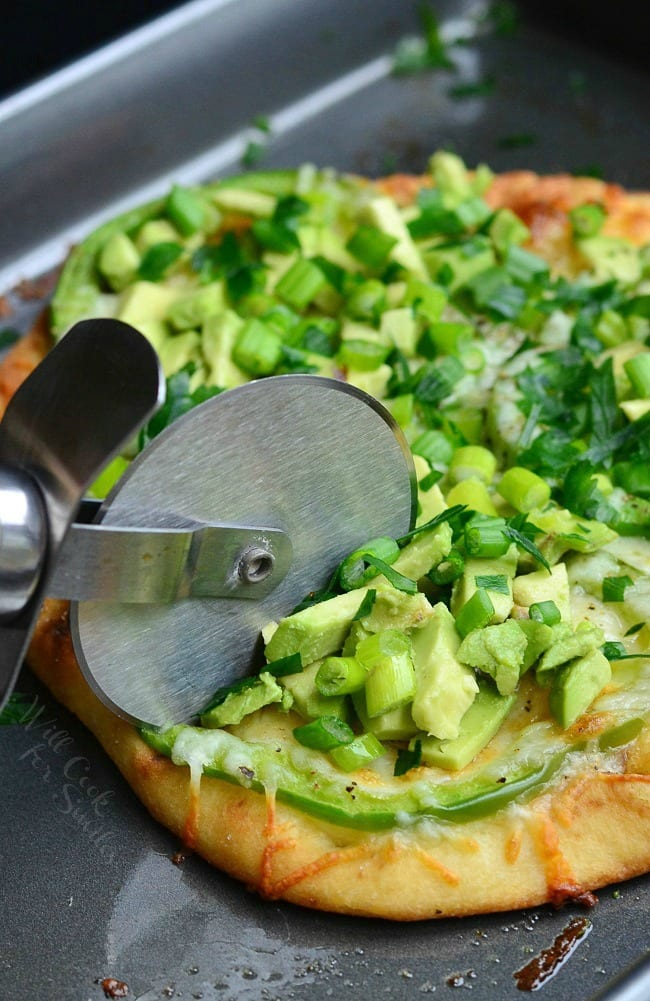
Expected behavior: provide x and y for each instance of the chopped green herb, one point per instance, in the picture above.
(493, 582)
(424, 52)
(614, 587)
(407, 758)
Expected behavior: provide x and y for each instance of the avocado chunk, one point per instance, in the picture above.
(177, 351)
(612, 257)
(477, 728)
(576, 685)
(119, 261)
(566, 646)
(424, 551)
(383, 213)
(218, 336)
(144, 301)
(191, 309)
(395, 609)
(498, 651)
(539, 637)
(252, 694)
(445, 687)
(317, 631)
(466, 586)
(398, 724)
(530, 588)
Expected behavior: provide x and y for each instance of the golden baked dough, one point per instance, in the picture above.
(588, 827)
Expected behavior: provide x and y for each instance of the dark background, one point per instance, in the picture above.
(38, 37)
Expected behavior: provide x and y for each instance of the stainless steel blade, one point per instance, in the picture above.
(77, 410)
(317, 459)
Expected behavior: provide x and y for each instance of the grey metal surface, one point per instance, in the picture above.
(314, 458)
(89, 890)
(74, 413)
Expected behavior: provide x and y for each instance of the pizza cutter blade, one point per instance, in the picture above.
(313, 459)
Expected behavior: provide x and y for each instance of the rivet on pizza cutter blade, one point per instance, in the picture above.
(224, 522)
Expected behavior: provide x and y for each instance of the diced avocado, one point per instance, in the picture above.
(324, 242)
(156, 332)
(383, 213)
(191, 310)
(374, 383)
(424, 551)
(477, 728)
(612, 257)
(400, 328)
(254, 203)
(576, 685)
(397, 724)
(431, 502)
(395, 609)
(354, 330)
(566, 647)
(498, 651)
(465, 261)
(144, 301)
(445, 687)
(308, 701)
(506, 229)
(177, 351)
(317, 631)
(256, 692)
(119, 261)
(531, 588)
(466, 586)
(218, 336)
(633, 409)
(566, 531)
(156, 231)
(539, 637)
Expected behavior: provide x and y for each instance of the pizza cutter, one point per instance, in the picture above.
(224, 522)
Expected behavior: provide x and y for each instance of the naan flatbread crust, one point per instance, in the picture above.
(591, 827)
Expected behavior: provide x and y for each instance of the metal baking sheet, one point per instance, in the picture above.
(89, 887)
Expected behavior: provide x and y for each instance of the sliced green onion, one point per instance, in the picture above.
(341, 676)
(359, 752)
(257, 349)
(433, 446)
(398, 580)
(476, 613)
(436, 380)
(426, 299)
(300, 283)
(291, 664)
(353, 571)
(447, 338)
(366, 301)
(546, 612)
(449, 569)
(474, 494)
(523, 266)
(493, 582)
(473, 360)
(361, 355)
(637, 627)
(371, 246)
(275, 236)
(407, 758)
(186, 210)
(429, 480)
(472, 461)
(324, 733)
(157, 259)
(638, 371)
(587, 220)
(484, 537)
(523, 489)
(614, 587)
(391, 682)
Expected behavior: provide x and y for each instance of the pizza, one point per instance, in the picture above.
(457, 722)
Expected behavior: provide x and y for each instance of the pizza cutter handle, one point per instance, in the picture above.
(77, 410)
